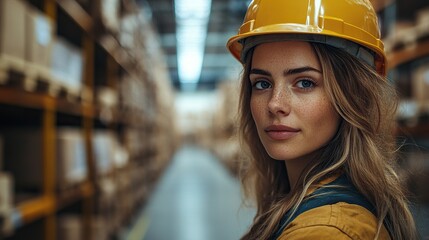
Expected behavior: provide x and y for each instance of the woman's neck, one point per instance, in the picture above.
(295, 168)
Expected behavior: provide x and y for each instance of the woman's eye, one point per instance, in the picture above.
(305, 84)
(262, 85)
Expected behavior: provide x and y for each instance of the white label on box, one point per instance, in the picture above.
(43, 31)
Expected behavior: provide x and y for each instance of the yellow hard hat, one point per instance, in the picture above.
(341, 23)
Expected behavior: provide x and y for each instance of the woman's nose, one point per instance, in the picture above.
(279, 103)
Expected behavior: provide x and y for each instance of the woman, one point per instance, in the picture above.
(317, 114)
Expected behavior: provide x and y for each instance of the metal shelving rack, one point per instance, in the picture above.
(35, 217)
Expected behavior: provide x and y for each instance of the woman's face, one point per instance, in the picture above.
(289, 105)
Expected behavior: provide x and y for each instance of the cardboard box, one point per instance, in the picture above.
(6, 193)
(40, 34)
(420, 86)
(24, 157)
(12, 28)
(6, 203)
(99, 228)
(422, 17)
(71, 157)
(422, 22)
(67, 65)
(104, 151)
(70, 227)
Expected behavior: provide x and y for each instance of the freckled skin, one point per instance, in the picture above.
(289, 101)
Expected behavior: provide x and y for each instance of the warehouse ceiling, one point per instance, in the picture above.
(223, 22)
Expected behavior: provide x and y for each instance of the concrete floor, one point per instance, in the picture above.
(196, 199)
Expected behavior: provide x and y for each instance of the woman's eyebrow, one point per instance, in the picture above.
(287, 71)
(300, 70)
(259, 72)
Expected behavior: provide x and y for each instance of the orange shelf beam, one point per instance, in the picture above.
(420, 49)
(37, 208)
(18, 97)
(21, 98)
(419, 130)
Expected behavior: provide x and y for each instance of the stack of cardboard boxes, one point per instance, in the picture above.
(225, 143)
(407, 51)
(29, 46)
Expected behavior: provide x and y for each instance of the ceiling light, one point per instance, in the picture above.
(192, 17)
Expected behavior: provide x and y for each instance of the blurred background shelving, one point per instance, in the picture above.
(405, 31)
(83, 117)
(93, 107)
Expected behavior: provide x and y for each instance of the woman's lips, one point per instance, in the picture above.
(281, 132)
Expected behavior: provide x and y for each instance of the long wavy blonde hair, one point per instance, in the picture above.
(364, 149)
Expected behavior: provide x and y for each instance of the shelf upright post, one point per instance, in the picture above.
(49, 146)
(51, 9)
(49, 162)
(88, 125)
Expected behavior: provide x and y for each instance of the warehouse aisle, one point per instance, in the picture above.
(196, 199)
